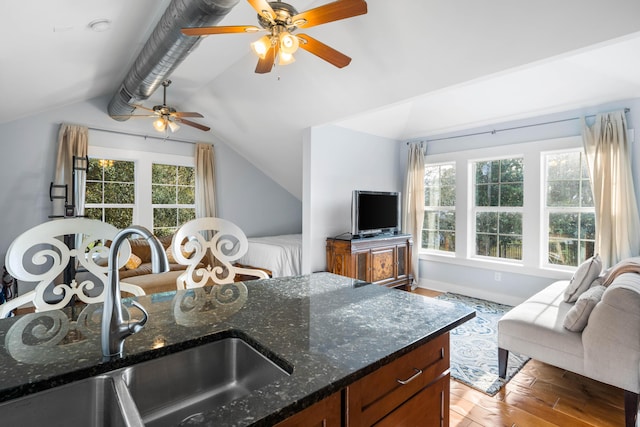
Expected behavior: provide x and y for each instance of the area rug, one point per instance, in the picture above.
(474, 346)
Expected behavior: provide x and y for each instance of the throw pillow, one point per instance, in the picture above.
(577, 318)
(586, 273)
(133, 262)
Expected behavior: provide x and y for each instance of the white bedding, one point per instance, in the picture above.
(282, 255)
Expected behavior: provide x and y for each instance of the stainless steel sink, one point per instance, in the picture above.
(173, 388)
(160, 392)
(90, 402)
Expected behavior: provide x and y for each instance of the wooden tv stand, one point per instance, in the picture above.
(384, 259)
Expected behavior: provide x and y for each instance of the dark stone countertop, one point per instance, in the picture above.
(330, 330)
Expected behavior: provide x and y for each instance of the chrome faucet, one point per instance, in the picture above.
(114, 328)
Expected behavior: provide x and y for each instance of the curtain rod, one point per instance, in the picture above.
(494, 131)
(119, 132)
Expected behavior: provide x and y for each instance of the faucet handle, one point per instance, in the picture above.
(137, 325)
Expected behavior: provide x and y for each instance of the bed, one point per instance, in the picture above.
(282, 255)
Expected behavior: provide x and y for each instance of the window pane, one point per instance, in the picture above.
(486, 244)
(165, 217)
(563, 252)
(119, 217)
(430, 220)
(186, 195)
(510, 223)
(95, 170)
(511, 247)
(448, 195)
(186, 175)
(93, 192)
(563, 193)
(487, 222)
(119, 171)
(93, 213)
(487, 195)
(447, 220)
(511, 195)
(587, 195)
(186, 215)
(163, 195)
(163, 174)
(588, 226)
(511, 170)
(119, 193)
(440, 192)
(563, 225)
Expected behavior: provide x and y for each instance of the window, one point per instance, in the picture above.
(439, 226)
(151, 189)
(498, 206)
(569, 209)
(110, 191)
(173, 197)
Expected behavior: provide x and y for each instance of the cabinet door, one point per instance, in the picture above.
(326, 413)
(403, 261)
(361, 269)
(429, 408)
(383, 264)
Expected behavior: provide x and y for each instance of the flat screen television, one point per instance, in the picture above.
(375, 212)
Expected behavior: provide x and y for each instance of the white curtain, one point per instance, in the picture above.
(609, 158)
(413, 212)
(73, 140)
(205, 181)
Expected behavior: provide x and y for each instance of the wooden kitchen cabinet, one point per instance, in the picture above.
(384, 260)
(411, 391)
(326, 413)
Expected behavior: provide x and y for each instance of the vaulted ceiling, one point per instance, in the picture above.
(419, 68)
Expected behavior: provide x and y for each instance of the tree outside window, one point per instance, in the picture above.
(498, 203)
(569, 208)
(110, 191)
(439, 226)
(172, 197)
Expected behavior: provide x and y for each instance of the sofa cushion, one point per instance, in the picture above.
(586, 273)
(577, 318)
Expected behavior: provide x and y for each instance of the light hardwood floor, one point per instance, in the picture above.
(539, 395)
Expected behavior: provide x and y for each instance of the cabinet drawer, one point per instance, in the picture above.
(428, 408)
(379, 393)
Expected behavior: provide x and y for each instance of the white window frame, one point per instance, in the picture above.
(533, 215)
(143, 210)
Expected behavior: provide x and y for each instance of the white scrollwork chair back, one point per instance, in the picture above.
(225, 242)
(40, 255)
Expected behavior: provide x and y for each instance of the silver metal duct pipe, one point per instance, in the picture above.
(166, 48)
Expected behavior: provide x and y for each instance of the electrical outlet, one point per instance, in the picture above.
(497, 276)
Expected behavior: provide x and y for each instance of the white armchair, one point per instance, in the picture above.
(41, 255)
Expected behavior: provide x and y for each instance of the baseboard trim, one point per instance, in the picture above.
(469, 291)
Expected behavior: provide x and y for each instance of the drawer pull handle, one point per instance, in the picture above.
(413, 377)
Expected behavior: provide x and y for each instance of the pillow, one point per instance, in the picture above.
(586, 273)
(172, 259)
(133, 262)
(577, 318)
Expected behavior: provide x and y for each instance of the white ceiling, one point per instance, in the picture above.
(419, 68)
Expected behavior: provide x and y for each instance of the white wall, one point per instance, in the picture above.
(336, 162)
(28, 149)
(443, 273)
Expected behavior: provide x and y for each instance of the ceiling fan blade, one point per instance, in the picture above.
(126, 116)
(323, 51)
(330, 12)
(265, 65)
(185, 114)
(206, 31)
(263, 8)
(192, 124)
(142, 107)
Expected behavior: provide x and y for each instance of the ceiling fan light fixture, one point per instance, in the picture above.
(159, 124)
(285, 58)
(288, 43)
(261, 46)
(173, 126)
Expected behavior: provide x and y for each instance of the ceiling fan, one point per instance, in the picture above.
(168, 116)
(280, 20)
